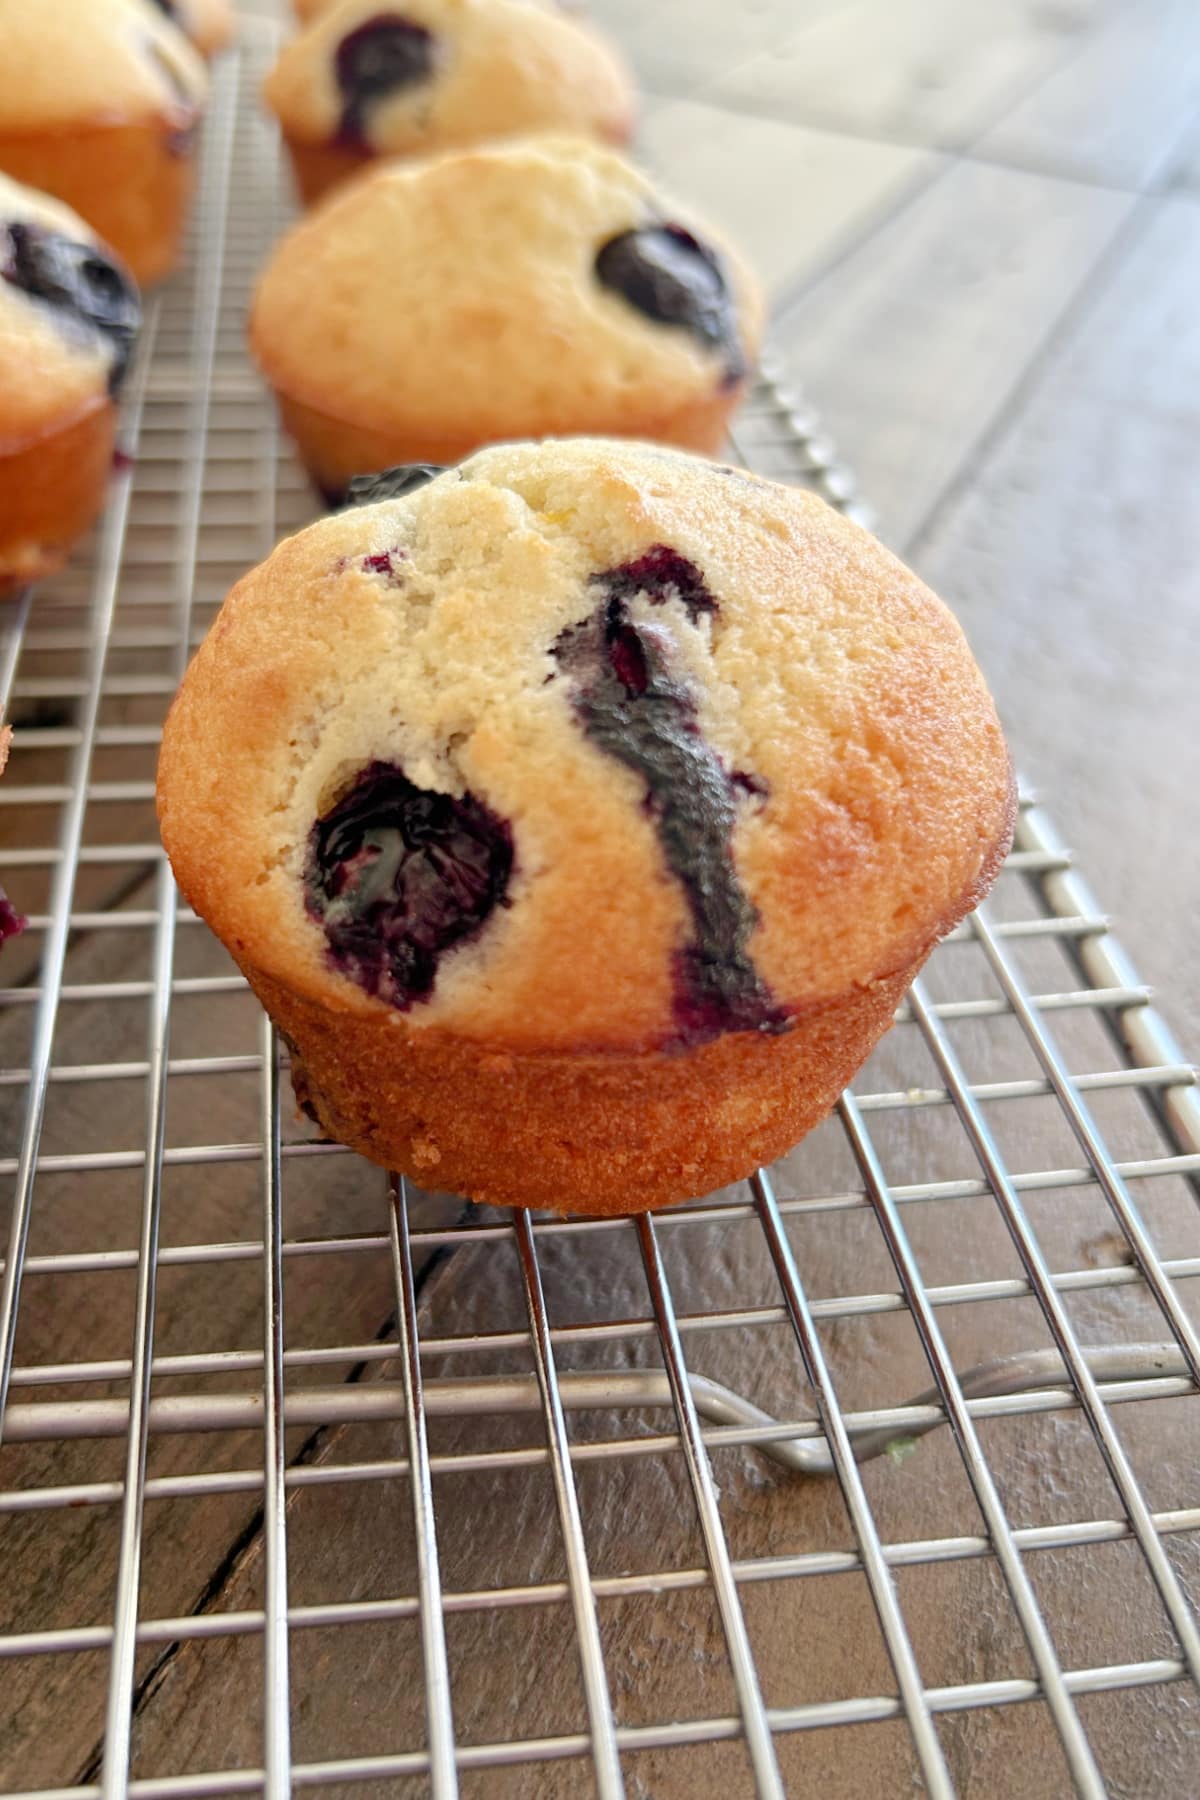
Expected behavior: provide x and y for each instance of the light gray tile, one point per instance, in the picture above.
(1118, 111)
(675, 45)
(913, 344)
(924, 71)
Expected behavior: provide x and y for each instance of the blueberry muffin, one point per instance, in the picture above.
(368, 80)
(515, 290)
(69, 314)
(581, 815)
(99, 105)
(208, 24)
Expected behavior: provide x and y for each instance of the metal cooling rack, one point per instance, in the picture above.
(168, 1446)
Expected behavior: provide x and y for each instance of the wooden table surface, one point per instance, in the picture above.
(980, 224)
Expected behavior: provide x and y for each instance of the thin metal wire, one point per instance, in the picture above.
(54, 950)
(733, 1622)
(439, 1712)
(1165, 1579)
(215, 173)
(1004, 1388)
(842, 1459)
(1084, 1770)
(118, 1716)
(583, 1602)
(277, 1752)
(1067, 1092)
(191, 1627)
(1140, 1029)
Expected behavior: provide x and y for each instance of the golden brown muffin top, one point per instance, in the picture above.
(70, 61)
(463, 291)
(54, 362)
(418, 75)
(835, 766)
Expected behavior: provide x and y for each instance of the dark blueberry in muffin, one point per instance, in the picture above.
(398, 875)
(673, 278)
(85, 289)
(167, 6)
(634, 709)
(12, 924)
(389, 484)
(662, 574)
(378, 58)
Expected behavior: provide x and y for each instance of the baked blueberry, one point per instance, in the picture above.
(638, 711)
(11, 921)
(397, 875)
(389, 484)
(675, 279)
(466, 72)
(662, 574)
(83, 285)
(380, 57)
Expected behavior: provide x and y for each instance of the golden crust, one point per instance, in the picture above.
(57, 421)
(574, 1133)
(536, 1073)
(52, 487)
(48, 372)
(74, 63)
(413, 334)
(829, 672)
(507, 67)
(334, 451)
(98, 106)
(132, 183)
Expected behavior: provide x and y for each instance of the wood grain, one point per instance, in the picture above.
(1073, 557)
(912, 344)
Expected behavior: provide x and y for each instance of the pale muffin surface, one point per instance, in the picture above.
(497, 67)
(71, 62)
(50, 367)
(458, 296)
(876, 795)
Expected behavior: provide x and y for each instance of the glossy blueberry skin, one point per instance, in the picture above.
(634, 708)
(12, 923)
(676, 280)
(378, 58)
(389, 484)
(87, 291)
(398, 875)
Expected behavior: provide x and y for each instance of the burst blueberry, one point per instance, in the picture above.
(635, 709)
(399, 875)
(381, 57)
(87, 291)
(12, 923)
(388, 484)
(673, 278)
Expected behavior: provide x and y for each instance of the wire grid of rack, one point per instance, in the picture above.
(256, 1401)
